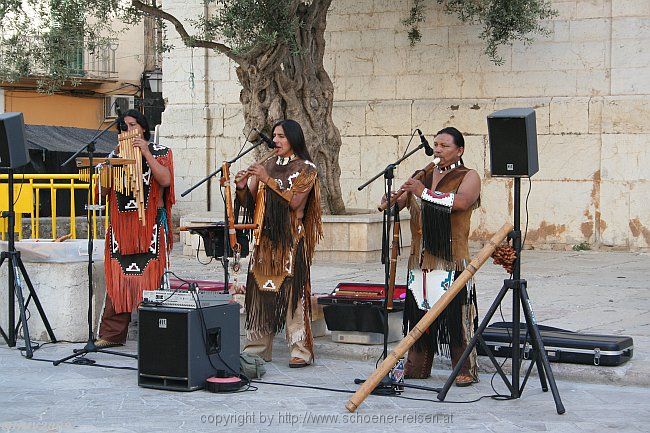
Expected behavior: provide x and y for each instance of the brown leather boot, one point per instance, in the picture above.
(418, 364)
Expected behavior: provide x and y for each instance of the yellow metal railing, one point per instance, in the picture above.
(27, 199)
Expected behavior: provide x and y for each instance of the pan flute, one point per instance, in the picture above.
(123, 174)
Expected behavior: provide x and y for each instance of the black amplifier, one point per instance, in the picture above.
(179, 348)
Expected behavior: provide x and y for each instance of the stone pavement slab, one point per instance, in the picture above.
(586, 291)
(598, 292)
(38, 397)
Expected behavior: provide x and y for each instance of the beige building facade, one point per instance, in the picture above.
(114, 69)
(588, 81)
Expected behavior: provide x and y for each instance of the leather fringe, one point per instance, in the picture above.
(266, 311)
(277, 221)
(448, 329)
(312, 222)
(125, 291)
(275, 246)
(416, 231)
(436, 230)
(429, 261)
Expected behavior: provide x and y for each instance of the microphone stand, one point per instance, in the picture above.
(226, 245)
(387, 386)
(90, 346)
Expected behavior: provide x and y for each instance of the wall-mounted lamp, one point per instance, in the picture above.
(154, 78)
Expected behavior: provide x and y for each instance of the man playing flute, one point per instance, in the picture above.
(441, 206)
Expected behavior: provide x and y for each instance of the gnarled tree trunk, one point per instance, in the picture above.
(280, 85)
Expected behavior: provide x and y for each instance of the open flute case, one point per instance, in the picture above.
(358, 308)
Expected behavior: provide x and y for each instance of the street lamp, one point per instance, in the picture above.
(154, 78)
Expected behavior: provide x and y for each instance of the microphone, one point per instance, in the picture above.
(427, 147)
(269, 143)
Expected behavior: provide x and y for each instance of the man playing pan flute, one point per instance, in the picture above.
(136, 253)
(441, 206)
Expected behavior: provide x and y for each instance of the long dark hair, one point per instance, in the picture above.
(142, 121)
(295, 136)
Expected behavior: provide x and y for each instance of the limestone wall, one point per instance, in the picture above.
(589, 82)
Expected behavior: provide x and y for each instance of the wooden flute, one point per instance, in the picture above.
(264, 158)
(419, 175)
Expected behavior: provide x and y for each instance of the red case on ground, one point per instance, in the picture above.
(212, 286)
(350, 293)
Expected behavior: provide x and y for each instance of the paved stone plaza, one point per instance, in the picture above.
(595, 292)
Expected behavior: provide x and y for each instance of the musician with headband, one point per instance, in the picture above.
(282, 194)
(136, 254)
(441, 206)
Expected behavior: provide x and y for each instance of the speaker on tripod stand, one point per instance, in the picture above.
(513, 143)
(513, 153)
(14, 154)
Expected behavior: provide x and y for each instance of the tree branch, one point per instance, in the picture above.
(188, 40)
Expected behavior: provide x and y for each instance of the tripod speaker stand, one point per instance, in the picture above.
(13, 154)
(516, 128)
(14, 286)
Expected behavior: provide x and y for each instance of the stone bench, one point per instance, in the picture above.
(354, 237)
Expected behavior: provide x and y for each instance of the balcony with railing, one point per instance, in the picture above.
(55, 55)
(99, 61)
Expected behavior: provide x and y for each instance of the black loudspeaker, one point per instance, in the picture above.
(513, 142)
(13, 149)
(177, 352)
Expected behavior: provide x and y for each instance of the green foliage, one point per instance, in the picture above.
(582, 246)
(44, 38)
(504, 21)
(416, 16)
(246, 25)
(47, 39)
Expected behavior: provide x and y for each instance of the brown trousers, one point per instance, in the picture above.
(296, 332)
(418, 364)
(114, 326)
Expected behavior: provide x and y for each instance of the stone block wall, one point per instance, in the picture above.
(588, 81)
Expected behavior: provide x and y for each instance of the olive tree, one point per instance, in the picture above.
(277, 45)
